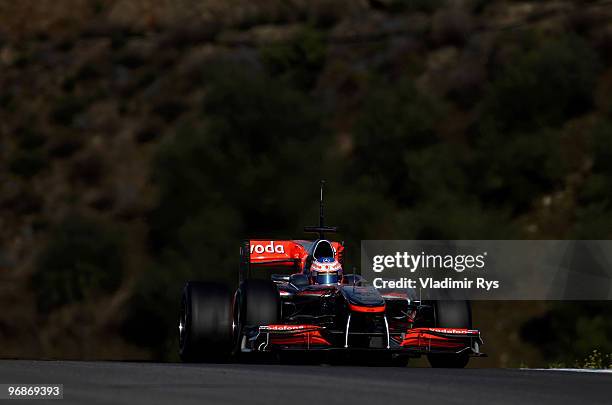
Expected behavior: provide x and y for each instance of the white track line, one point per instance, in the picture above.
(573, 370)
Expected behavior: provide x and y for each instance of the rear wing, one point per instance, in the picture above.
(281, 256)
(278, 256)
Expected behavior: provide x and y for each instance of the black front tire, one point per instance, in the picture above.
(451, 314)
(205, 322)
(256, 303)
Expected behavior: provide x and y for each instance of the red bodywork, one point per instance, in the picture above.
(284, 253)
(359, 308)
(306, 336)
(439, 338)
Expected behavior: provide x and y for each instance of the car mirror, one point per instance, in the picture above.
(299, 280)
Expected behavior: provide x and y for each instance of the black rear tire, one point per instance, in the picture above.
(451, 314)
(256, 303)
(205, 323)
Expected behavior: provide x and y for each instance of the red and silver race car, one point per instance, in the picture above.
(294, 296)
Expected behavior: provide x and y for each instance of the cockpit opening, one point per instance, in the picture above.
(323, 249)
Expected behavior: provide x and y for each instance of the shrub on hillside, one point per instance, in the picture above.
(544, 86)
(396, 122)
(28, 163)
(426, 6)
(82, 258)
(299, 61)
(512, 170)
(594, 208)
(66, 108)
(571, 342)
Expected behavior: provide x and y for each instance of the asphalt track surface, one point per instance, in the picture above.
(155, 383)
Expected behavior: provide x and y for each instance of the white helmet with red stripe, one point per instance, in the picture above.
(325, 270)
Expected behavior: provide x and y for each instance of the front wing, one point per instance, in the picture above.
(413, 342)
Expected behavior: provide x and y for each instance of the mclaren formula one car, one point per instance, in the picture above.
(294, 296)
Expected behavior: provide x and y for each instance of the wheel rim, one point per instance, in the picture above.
(183, 324)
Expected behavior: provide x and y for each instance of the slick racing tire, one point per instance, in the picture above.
(451, 314)
(205, 322)
(256, 303)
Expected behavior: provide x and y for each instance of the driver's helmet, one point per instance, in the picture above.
(325, 270)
